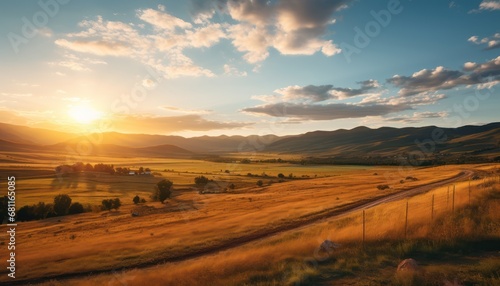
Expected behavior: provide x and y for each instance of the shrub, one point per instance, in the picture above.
(382, 187)
(107, 205)
(281, 176)
(76, 208)
(260, 183)
(201, 180)
(116, 204)
(136, 199)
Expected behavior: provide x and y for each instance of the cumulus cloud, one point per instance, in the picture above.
(292, 27)
(441, 78)
(168, 124)
(492, 42)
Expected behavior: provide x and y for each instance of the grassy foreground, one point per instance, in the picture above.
(459, 246)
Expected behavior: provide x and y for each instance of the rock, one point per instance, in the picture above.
(408, 265)
(328, 246)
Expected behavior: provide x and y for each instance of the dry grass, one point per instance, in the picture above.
(192, 221)
(292, 258)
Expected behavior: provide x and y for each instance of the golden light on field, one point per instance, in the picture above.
(84, 114)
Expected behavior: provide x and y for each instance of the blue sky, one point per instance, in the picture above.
(248, 67)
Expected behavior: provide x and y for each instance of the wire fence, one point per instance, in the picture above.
(413, 218)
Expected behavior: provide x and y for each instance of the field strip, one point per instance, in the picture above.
(263, 233)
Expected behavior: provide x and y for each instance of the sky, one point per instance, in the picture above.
(237, 67)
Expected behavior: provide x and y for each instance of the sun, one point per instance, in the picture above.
(84, 114)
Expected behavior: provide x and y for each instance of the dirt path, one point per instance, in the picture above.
(264, 233)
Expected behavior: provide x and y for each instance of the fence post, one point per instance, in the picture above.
(432, 208)
(363, 229)
(448, 198)
(453, 201)
(406, 221)
(469, 190)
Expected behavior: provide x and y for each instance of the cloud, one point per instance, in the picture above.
(185, 111)
(76, 63)
(168, 124)
(161, 50)
(162, 20)
(492, 42)
(330, 111)
(232, 71)
(489, 5)
(292, 27)
(417, 117)
(441, 78)
(296, 103)
(318, 93)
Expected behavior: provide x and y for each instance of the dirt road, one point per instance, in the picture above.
(265, 233)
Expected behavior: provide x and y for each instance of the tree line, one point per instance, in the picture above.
(100, 168)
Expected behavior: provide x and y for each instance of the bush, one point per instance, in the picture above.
(382, 187)
(260, 183)
(62, 204)
(116, 204)
(107, 205)
(281, 176)
(136, 199)
(201, 180)
(76, 208)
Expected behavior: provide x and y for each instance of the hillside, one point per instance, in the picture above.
(386, 141)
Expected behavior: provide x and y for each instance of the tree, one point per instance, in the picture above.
(116, 204)
(281, 176)
(260, 183)
(88, 168)
(163, 190)
(201, 180)
(76, 208)
(42, 210)
(3, 208)
(26, 213)
(141, 170)
(107, 205)
(62, 204)
(136, 199)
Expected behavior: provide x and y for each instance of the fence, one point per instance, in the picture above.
(413, 217)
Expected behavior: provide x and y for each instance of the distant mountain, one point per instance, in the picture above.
(203, 144)
(359, 142)
(363, 141)
(28, 135)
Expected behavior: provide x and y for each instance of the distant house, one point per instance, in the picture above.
(131, 173)
(147, 173)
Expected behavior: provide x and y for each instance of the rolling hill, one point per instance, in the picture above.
(360, 142)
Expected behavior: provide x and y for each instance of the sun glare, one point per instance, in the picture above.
(84, 114)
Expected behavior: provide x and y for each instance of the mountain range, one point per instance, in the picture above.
(359, 142)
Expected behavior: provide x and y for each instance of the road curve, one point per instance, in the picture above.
(261, 234)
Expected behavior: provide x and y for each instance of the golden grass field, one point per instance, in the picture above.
(190, 221)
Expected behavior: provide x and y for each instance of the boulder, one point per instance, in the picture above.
(408, 265)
